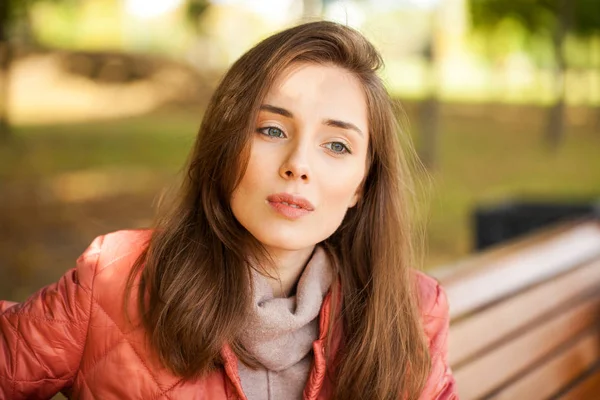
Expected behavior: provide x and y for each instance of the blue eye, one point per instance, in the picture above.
(338, 147)
(272, 131)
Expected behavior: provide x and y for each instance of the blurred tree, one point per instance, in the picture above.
(587, 25)
(194, 10)
(6, 11)
(11, 13)
(429, 109)
(553, 19)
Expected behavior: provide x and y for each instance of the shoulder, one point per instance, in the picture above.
(104, 269)
(110, 257)
(121, 247)
(433, 304)
(431, 295)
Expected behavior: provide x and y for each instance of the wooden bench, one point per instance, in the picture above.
(525, 317)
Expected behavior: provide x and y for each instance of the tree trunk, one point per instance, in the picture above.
(429, 110)
(595, 51)
(597, 127)
(429, 122)
(556, 113)
(556, 124)
(5, 60)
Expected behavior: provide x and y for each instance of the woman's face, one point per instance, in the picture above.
(308, 158)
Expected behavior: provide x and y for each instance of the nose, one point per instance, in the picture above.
(296, 165)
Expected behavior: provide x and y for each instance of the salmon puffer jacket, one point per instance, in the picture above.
(73, 337)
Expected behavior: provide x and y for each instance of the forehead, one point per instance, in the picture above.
(323, 91)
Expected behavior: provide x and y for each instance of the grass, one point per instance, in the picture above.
(156, 142)
(483, 157)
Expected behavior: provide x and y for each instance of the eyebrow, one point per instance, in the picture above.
(277, 110)
(329, 122)
(344, 125)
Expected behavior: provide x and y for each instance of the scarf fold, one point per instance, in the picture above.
(280, 332)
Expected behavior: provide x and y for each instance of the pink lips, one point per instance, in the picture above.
(290, 206)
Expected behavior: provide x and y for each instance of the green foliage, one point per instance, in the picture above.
(536, 16)
(17, 8)
(531, 25)
(13, 11)
(587, 17)
(195, 9)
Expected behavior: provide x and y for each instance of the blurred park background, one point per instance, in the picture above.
(100, 101)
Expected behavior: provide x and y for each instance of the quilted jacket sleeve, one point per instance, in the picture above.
(440, 384)
(42, 339)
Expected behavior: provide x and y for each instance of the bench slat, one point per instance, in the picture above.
(471, 335)
(588, 389)
(503, 363)
(514, 272)
(465, 267)
(555, 374)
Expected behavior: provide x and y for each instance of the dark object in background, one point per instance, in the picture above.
(500, 222)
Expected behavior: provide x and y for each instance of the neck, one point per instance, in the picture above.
(288, 266)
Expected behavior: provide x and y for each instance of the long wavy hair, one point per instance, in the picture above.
(195, 272)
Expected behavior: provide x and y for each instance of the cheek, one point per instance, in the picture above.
(337, 197)
(247, 194)
(341, 184)
(338, 193)
(260, 164)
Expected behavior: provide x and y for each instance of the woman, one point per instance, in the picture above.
(283, 269)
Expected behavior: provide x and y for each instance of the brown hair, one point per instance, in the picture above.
(195, 273)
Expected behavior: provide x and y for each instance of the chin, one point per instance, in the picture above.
(284, 239)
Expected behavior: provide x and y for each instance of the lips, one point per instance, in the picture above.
(289, 206)
(290, 200)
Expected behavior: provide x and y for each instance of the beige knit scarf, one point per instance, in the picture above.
(280, 333)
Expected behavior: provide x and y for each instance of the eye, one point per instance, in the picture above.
(338, 147)
(271, 131)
